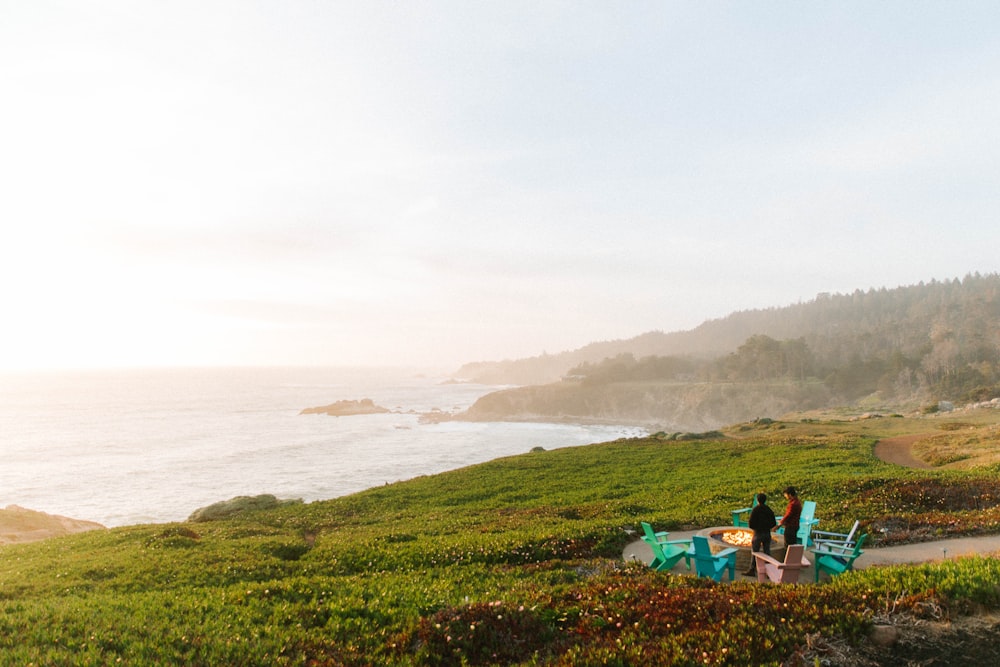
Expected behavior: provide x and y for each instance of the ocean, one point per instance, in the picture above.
(152, 446)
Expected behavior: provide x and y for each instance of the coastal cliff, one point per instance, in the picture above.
(18, 524)
(691, 407)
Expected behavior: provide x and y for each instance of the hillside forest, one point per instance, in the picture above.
(909, 347)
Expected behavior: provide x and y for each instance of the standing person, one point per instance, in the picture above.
(790, 521)
(761, 522)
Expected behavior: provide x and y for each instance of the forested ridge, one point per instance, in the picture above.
(936, 341)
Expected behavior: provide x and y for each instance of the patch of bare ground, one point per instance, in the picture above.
(899, 450)
(909, 641)
(961, 445)
(18, 524)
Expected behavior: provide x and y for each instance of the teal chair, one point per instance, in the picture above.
(836, 560)
(667, 554)
(649, 534)
(741, 517)
(712, 565)
(807, 522)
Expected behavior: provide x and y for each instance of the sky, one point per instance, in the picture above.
(205, 183)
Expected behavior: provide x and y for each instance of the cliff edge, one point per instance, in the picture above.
(693, 407)
(18, 524)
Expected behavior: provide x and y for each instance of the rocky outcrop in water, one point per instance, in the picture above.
(365, 406)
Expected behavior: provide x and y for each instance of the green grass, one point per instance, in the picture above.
(516, 561)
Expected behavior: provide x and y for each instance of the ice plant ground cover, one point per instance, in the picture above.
(516, 561)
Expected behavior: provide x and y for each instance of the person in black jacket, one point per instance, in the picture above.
(761, 522)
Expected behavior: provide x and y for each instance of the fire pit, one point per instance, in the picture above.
(725, 537)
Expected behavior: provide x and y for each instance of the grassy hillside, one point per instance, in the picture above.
(516, 561)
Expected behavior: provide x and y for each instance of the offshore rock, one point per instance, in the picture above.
(365, 406)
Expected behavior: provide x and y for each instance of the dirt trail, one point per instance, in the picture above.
(899, 450)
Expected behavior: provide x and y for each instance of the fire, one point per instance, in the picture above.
(737, 538)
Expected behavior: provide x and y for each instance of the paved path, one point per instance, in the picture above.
(904, 554)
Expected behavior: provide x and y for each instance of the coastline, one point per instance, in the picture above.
(570, 420)
(111, 447)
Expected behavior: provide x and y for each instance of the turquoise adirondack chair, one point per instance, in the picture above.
(667, 554)
(836, 560)
(712, 565)
(807, 521)
(649, 534)
(741, 517)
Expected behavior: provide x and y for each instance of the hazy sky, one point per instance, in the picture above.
(290, 182)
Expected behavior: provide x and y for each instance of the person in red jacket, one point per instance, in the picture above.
(790, 521)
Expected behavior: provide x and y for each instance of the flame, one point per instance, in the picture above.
(737, 538)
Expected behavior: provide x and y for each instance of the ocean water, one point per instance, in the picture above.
(127, 447)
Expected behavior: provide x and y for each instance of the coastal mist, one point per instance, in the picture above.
(126, 447)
